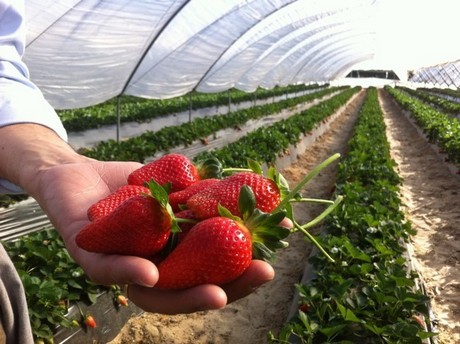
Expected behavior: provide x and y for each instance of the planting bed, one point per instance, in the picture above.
(431, 193)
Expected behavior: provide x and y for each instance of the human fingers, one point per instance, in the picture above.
(199, 298)
(117, 269)
(257, 274)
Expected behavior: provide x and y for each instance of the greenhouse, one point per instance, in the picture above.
(349, 110)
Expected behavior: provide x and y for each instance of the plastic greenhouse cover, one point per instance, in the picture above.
(84, 52)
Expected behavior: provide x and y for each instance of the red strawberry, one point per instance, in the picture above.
(216, 250)
(109, 203)
(140, 226)
(89, 321)
(175, 169)
(226, 192)
(178, 198)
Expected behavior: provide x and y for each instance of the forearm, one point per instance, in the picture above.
(26, 150)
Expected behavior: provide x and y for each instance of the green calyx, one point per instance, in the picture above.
(288, 197)
(266, 233)
(161, 195)
(209, 168)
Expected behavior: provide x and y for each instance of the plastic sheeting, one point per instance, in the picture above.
(84, 52)
(445, 75)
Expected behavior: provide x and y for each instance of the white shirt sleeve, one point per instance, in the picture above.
(21, 101)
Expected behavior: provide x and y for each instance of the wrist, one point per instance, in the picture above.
(26, 150)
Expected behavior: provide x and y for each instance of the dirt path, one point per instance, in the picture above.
(249, 320)
(431, 195)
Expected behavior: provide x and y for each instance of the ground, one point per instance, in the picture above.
(431, 194)
(431, 197)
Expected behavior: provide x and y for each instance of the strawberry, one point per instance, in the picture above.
(216, 250)
(219, 249)
(122, 300)
(89, 321)
(179, 198)
(140, 226)
(106, 205)
(226, 192)
(174, 169)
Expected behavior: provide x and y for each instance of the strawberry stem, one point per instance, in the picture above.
(180, 219)
(313, 240)
(317, 220)
(313, 200)
(253, 166)
(236, 169)
(83, 315)
(325, 213)
(313, 173)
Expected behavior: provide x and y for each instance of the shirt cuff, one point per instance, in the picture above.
(7, 188)
(20, 103)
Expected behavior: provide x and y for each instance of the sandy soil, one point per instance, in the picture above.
(249, 320)
(431, 196)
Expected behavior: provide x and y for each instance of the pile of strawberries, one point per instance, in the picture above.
(197, 226)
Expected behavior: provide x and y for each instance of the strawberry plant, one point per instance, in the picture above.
(51, 279)
(266, 144)
(139, 109)
(445, 105)
(440, 128)
(149, 143)
(367, 294)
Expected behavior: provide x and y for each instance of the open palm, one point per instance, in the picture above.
(65, 193)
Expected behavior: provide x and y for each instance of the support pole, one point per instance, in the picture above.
(118, 119)
(229, 101)
(190, 107)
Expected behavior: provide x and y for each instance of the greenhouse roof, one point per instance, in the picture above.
(84, 52)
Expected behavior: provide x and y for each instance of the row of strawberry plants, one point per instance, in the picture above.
(441, 103)
(149, 143)
(368, 294)
(442, 91)
(266, 144)
(52, 287)
(52, 281)
(139, 109)
(440, 128)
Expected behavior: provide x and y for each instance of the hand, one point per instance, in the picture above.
(65, 184)
(66, 191)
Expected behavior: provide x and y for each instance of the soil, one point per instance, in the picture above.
(431, 197)
(431, 194)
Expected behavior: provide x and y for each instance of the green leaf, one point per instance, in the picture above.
(74, 284)
(255, 166)
(356, 253)
(158, 192)
(347, 314)
(246, 202)
(331, 331)
(92, 297)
